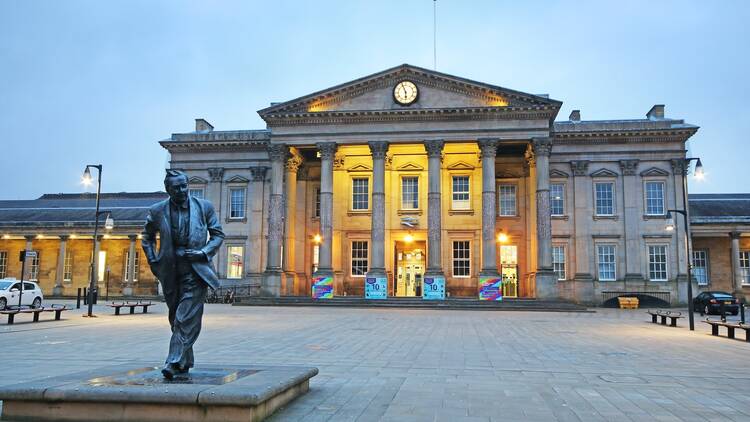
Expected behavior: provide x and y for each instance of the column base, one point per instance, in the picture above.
(270, 286)
(434, 273)
(492, 272)
(546, 285)
(290, 282)
(127, 291)
(57, 291)
(376, 272)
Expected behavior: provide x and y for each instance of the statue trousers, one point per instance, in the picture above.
(185, 303)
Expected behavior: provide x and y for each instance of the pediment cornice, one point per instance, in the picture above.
(409, 167)
(359, 168)
(604, 173)
(654, 171)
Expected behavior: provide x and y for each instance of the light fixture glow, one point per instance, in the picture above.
(317, 238)
(670, 222)
(502, 237)
(408, 238)
(109, 223)
(698, 173)
(86, 179)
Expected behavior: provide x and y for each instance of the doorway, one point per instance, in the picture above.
(410, 266)
(509, 269)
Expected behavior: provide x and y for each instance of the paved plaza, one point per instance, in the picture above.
(428, 365)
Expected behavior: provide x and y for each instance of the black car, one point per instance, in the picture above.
(710, 303)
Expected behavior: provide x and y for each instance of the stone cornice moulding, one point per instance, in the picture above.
(460, 165)
(226, 146)
(359, 168)
(558, 174)
(654, 171)
(409, 167)
(195, 180)
(237, 179)
(604, 173)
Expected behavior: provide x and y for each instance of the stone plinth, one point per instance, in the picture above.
(132, 392)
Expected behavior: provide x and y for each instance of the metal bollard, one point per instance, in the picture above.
(742, 312)
(78, 299)
(85, 297)
(723, 312)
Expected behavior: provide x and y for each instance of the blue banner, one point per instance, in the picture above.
(376, 288)
(433, 288)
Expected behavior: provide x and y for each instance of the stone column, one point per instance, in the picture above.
(327, 152)
(271, 285)
(214, 194)
(546, 281)
(290, 198)
(488, 147)
(434, 149)
(60, 273)
(631, 194)
(255, 267)
(378, 149)
(736, 270)
(127, 288)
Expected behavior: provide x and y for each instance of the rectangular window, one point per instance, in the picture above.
(136, 266)
(606, 261)
(507, 200)
(655, 198)
(557, 198)
(68, 266)
(461, 258)
(317, 202)
(460, 193)
(315, 258)
(558, 261)
(360, 194)
(605, 198)
(410, 193)
(359, 258)
(3, 264)
(237, 203)
(101, 268)
(196, 193)
(34, 268)
(657, 263)
(235, 261)
(745, 266)
(700, 267)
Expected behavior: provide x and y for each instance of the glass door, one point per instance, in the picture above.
(509, 269)
(410, 267)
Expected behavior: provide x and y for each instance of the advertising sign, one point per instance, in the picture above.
(434, 288)
(322, 287)
(376, 288)
(490, 288)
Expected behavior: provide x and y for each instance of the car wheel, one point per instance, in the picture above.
(705, 310)
(37, 303)
(3, 303)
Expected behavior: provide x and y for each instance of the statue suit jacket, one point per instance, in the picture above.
(205, 234)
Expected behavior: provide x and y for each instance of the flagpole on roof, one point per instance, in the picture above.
(434, 34)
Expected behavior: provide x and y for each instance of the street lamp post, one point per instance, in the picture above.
(670, 226)
(87, 181)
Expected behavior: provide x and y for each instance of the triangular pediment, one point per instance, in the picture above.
(461, 165)
(653, 171)
(559, 174)
(195, 180)
(604, 173)
(374, 93)
(410, 167)
(359, 167)
(237, 179)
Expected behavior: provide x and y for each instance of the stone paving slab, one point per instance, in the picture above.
(378, 364)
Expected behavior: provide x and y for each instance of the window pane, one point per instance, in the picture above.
(359, 258)
(558, 261)
(410, 193)
(34, 268)
(745, 266)
(3, 264)
(507, 200)
(700, 267)
(654, 198)
(557, 198)
(606, 262)
(460, 193)
(604, 199)
(196, 193)
(235, 261)
(360, 194)
(657, 263)
(317, 202)
(237, 205)
(136, 266)
(461, 258)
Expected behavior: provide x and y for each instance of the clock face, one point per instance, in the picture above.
(405, 92)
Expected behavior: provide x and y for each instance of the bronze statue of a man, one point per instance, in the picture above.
(190, 235)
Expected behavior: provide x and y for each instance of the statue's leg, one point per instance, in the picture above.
(188, 319)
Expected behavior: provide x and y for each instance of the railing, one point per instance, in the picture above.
(608, 295)
(228, 294)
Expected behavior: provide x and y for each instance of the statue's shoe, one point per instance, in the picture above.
(168, 371)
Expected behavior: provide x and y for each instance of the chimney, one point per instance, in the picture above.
(201, 125)
(575, 116)
(656, 112)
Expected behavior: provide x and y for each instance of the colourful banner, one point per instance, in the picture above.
(433, 288)
(376, 288)
(322, 287)
(490, 288)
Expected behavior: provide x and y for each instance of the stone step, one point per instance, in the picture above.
(520, 304)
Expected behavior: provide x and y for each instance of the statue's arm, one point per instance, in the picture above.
(148, 237)
(215, 232)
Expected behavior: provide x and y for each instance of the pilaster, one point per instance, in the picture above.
(488, 152)
(60, 272)
(271, 285)
(293, 162)
(434, 149)
(631, 193)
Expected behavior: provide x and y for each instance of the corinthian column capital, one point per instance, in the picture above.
(327, 150)
(542, 146)
(277, 152)
(434, 147)
(488, 146)
(378, 149)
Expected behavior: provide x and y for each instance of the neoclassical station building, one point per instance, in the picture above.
(414, 183)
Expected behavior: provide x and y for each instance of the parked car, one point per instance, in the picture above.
(10, 292)
(710, 303)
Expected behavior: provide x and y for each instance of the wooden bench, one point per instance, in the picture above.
(673, 317)
(131, 305)
(730, 328)
(628, 302)
(58, 310)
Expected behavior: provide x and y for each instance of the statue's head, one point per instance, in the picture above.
(176, 184)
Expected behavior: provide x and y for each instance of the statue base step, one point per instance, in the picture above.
(132, 392)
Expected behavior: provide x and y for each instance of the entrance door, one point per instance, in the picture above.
(509, 270)
(410, 267)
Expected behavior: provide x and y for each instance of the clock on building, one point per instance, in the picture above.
(405, 92)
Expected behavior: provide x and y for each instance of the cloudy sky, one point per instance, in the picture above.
(86, 82)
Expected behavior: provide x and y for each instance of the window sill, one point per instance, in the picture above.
(559, 217)
(410, 212)
(606, 217)
(352, 213)
(236, 220)
(460, 212)
(508, 217)
(654, 216)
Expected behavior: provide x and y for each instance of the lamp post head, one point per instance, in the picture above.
(669, 226)
(109, 223)
(86, 179)
(699, 174)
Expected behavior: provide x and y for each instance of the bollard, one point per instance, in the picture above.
(723, 312)
(78, 299)
(742, 312)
